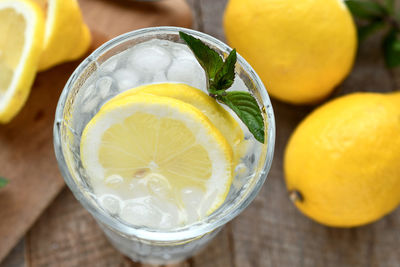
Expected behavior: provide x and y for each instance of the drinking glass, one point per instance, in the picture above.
(80, 101)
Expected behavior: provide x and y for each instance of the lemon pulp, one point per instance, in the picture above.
(21, 37)
(13, 27)
(221, 118)
(152, 151)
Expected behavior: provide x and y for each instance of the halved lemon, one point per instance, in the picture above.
(21, 37)
(221, 118)
(146, 135)
(66, 35)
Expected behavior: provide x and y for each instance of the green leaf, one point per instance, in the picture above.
(226, 74)
(247, 109)
(3, 182)
(207, 57)
(220, 77)
(391, 49)
(365, 9)
(370, 28)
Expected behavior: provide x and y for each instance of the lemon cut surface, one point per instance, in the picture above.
(21, 37)
(141, 135)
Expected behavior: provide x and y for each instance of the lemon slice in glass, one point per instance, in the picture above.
(146, 135)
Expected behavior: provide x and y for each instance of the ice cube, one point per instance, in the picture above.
(126, 78)
(91, 105)
(103, 86)
(149, 58)
(110, 64)
(138, 189)
(168, 221)
(238, 85)
(158, 185)
(88, 91)
(192, 196)
(114, 180)
(207, 203)
(241, 169)
(192, 215)
(160, 77)
(111, 203)
(139, 211)
(180, 51)
(187, 71)
(169, 211)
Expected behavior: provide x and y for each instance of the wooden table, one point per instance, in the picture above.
(271, 232)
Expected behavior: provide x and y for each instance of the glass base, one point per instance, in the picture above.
(156, 252)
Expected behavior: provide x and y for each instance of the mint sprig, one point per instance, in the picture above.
(220, 76)
(3, 182)
(374, 16)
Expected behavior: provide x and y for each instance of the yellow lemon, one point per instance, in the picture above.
(225, 123)
(66, 35)
(300, 49)
(21, 37)
(161, 137)
(342, 162)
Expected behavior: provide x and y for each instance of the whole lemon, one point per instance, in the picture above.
(67, 37)
(300, 49)
(342, 162)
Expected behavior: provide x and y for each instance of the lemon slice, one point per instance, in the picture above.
(221, 118)
(21, 37)
(143, 135)
(66, 35)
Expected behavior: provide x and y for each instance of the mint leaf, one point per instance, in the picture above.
(220, 77)
(225, 76)
(391, 49)
(365, 9)
(366, 30)
(247, 109)
(209, 60)
(3, 182)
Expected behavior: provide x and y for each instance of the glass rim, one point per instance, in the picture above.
(158, 234)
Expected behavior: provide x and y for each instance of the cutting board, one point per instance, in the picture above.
(26, 144)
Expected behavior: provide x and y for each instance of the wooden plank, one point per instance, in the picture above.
(66, 235)
(112, 18)
(218, 253)
(26, 155)
(16, 258)
(27, 159)
(271, 232)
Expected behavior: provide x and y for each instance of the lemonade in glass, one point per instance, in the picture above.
(159, 161)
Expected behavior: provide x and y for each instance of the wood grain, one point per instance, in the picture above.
(26, 154)
(271, 231)
(71, 236)
(27, 159)
(114, 17)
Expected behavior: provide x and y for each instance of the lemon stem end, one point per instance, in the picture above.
(295, 196)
